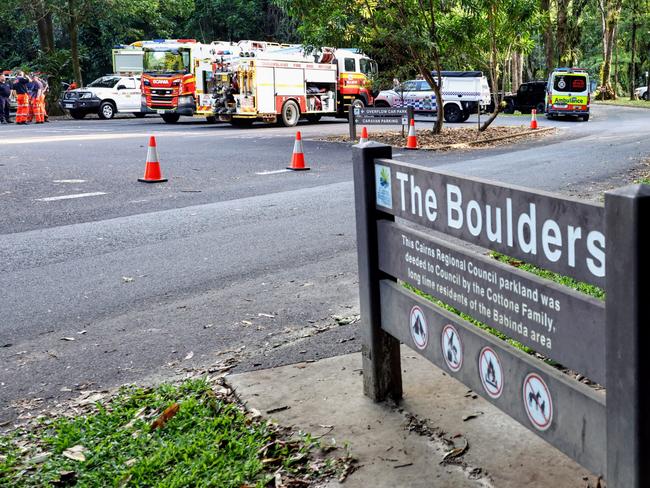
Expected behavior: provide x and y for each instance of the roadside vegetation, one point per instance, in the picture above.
(625, 102)
(189, 434)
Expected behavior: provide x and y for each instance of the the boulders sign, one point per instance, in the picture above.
(423, 248)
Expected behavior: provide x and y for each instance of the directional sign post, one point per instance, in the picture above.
(378, 116)
(398, 203)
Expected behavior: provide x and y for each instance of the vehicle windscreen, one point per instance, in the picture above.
(105, 82)
(571, 83)
(169, 61)
(368, 67)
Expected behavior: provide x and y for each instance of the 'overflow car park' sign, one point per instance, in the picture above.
(379, 116)
(601, 340)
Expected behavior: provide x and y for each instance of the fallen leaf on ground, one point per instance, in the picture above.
(39, 458)
(169, 412)
(247, 322)
(76, 453)
(190, 355)
(454, 453)
(266, 315)
(67, 338)
(471, 416)
(127, 279)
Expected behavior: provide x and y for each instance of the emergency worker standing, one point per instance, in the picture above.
(5, 93)
(40, 100)
(35, 92)
(22, 98)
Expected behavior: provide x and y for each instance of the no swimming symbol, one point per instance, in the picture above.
(538, 401)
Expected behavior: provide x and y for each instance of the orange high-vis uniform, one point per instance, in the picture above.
(38, 107)
(23, 109)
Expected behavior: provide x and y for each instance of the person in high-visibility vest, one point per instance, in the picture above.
(35, 92)
(38, 99)
(21, 87)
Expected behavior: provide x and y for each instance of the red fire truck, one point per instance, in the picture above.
(287, 84)
(173, 72)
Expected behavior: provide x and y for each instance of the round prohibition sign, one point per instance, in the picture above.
(419, 328)
(491, 372)
(537, 401)
(452, 348)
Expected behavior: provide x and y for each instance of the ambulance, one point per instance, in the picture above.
(567, 93)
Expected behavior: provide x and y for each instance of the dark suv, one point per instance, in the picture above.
(529, 96)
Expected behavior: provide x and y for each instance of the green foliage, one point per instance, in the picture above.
(209, 442)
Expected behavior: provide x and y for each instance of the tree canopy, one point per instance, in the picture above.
(511, 40)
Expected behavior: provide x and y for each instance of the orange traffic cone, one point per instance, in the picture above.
(364, 135)
(533, 119)
(152, 172)
(412, 140)
(298, 158)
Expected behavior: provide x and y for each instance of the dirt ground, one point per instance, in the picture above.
(454, 139)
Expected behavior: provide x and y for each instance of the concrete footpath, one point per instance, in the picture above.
(403, 446)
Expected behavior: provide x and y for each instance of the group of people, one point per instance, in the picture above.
(30, 91)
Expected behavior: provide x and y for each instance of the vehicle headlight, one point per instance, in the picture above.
(85, 95)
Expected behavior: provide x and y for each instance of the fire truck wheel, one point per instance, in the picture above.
(170, 118)
(313, 118)
(106, 110)
(290, 113)
(139, 115)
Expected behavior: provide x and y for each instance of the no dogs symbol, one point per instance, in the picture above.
(489, 367)
(538, 402)
(419, 328)
(452, 348)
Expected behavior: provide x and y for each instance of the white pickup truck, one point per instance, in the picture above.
(463, 93)
(106, 96)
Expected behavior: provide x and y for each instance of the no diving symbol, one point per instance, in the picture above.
(538, 402)
(419, 328)
(452, 348)
(491, 372)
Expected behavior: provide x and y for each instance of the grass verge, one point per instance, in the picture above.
(188, 434)
(624, 102)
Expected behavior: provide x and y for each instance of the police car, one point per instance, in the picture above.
(463, 92)
(106, 96)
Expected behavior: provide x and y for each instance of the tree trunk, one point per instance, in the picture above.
(42, 16)
(562, 31)
(549, 46)
(73, 32)
(434, 83)
(610, 11)
(492, 19)
(632, 74)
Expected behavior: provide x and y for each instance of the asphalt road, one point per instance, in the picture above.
(229, 259)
